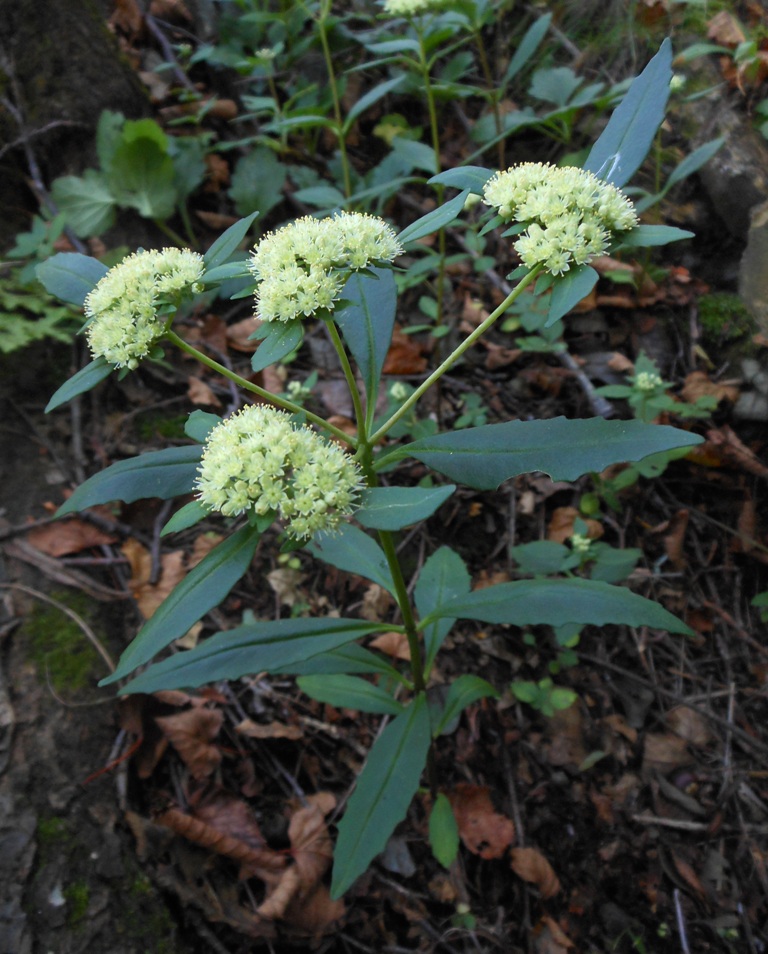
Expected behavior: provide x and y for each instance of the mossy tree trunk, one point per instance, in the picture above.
(59, 68)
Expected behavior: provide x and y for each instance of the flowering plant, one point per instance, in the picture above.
(276, 461)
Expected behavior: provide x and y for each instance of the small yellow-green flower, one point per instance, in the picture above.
(413, 8)
(259, 460)
(302, 267)
(647, 381)
(570, 214)
(123, 323)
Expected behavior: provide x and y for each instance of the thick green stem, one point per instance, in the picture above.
(456, 354)
(255, 389)
(349, 374)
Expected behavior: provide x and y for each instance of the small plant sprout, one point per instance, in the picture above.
(274, 460)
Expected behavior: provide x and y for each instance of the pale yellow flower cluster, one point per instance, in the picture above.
(569, 214)
(413, 8)
(647, 381)
(123, 307)
(302, 267)
(259, 460)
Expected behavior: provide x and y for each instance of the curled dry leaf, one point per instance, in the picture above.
(674, 539)
(560, 526)
(191, 734)
(689, 725)
(68, 536)
(551, 939)
(199, 392)
(483, 830)
(698, 384)
(530, 865)
(392, 644)
(405, 355)
(150, 595)
(239, 335)
(232, 832)
(273, 730)
(663, 752)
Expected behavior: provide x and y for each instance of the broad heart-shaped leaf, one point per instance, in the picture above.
(227, 243)
(626, 139)
(141, 175)
(392, 508)
(254, 647)
(444, 577)
(346, 659)
(201, 589)
(383, 793)
(435, 220)
(559, 602)
(353, 551)
(88, 203)
(166, 473)
(80, 382)
(282, 338)
(70, 276)
(443, 831)
(471, 178)
(462, 693)
(483, 457)
(568, 291)
(366, 321)
(350, 692)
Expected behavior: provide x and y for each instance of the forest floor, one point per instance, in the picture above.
(634, 820)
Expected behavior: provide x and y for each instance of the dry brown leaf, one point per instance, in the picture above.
(566, 731)
(226, 825)
(698, 384)
(689, 876)
(530, 865)
(316, 914)
(689, 725)
(272, 730)
(725, 29)
(550, 938)
(148, 595)
(202, 547)
(732, 449)
(560, 526)
(498, 356)
(217, 172)
(192, 733)
(199, 392)
(392, 644)
(405, 355)
(239, 335)
(674, 539)
(286, 585)
(376, 603)
(68, 536)
(483, 830)
(173, 10)
(663, 752)
(620, 362)
(311, 845)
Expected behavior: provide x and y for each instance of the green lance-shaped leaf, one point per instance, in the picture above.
(189, 515)
(70, 276)
(354, 551)
(435, 220)
(471, 178)
(444, 577)
(166, 473)
(369, 99)
(86, 378)
(569, 289)
(625, 141)
(280, 339)
(483, 457)
(463, 692)
(200, 424)
(392, 508)
(646, 235)
(254, 647)
(383, 793)
(527, 47)
(557, 603)
(346, 659)
(350, 692)
(366, 321)
(201, 589)
(443, 831)
(227, 243)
